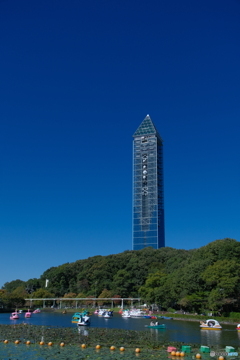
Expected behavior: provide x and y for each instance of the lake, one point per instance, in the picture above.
(176, 330)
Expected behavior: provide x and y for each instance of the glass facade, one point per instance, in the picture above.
(148, 206)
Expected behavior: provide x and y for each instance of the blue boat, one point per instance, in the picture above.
(165, 317)
(78, 316)
(160, 326)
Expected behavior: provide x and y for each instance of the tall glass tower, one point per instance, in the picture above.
(148, 205)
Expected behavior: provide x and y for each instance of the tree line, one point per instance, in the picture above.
(207, 278)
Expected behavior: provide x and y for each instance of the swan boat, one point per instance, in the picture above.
(210, 324)
(102, 312)
(84, 321)
(36, 311)
(137, 313)
(14, 316)
(28, 314)
(108, 314)
(126, 314)
(78, 315)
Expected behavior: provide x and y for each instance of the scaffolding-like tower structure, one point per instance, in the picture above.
(148, 199)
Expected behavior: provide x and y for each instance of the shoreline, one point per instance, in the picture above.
(197, 320)
(226, 322)
(187, 317)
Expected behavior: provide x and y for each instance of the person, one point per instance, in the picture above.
(156, 323)
(152, 323)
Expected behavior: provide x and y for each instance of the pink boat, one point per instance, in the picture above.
(14, 316)
(28, 314)
(36, 311)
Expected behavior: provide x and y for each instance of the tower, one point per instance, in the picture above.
(148, 205)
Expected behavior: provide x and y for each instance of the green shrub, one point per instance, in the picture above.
(234, 315)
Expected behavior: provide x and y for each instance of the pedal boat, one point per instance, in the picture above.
(78, 316)
(84, 321)
(210, 324)
(160, 326)
(14, 316)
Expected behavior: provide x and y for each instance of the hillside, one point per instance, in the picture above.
(207, 277)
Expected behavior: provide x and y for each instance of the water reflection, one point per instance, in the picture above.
(211, 337)
(176, 330)
(158, 334)
(82, 331)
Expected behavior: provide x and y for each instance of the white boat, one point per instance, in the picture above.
(137, 313)
(108, 314)
(101, 312)
(126, 314)
(210, 324)
(84, 321)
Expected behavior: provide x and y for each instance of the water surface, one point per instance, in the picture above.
(176, 330)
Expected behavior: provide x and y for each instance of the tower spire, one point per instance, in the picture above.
(147, 127)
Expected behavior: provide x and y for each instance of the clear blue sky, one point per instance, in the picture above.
(77, 79)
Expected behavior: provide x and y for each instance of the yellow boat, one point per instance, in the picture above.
(210, 324)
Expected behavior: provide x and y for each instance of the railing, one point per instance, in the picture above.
(94, 300)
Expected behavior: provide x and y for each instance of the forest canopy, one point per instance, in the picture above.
(192, 280)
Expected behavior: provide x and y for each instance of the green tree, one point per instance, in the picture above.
(123, 283)
(195, 302)
(104, 294)
(223, 280)
(81, 295)
(12, 285)
(223, 275)
(20, 291)
(70, 295)
(11, 301)
(173, 278)
(41, 294)
(150, 291)
(32, 285)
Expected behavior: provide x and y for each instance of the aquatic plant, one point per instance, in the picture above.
(130, 339)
